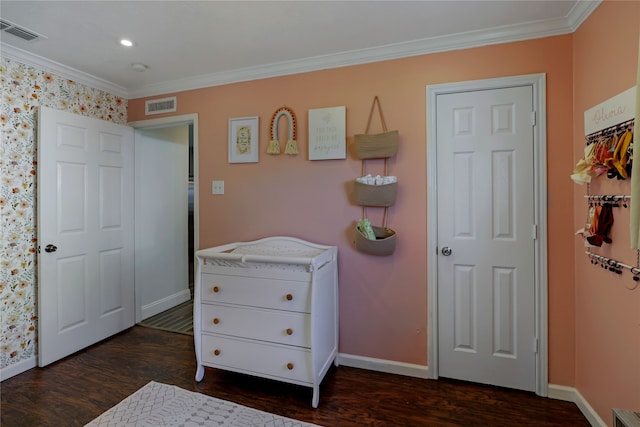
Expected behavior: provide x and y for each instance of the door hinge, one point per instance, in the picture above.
(535, 345)
(534, 232)
(533, 118)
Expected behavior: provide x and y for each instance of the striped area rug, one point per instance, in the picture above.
(177, 319)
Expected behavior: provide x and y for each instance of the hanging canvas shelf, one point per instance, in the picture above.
(370, 239)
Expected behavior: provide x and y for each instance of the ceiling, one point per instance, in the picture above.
(192, 44)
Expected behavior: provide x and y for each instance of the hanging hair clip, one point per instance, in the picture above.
(618, 268)
(614, 201)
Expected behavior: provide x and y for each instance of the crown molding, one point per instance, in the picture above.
(42, 63)
(505, 34)
(580, 12)
(471, 39)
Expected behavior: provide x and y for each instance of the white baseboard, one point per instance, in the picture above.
(570, 394)
(381, 365)
(561, 392)
(164, 304)
(18, 368)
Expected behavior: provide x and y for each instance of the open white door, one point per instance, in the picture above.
(85, 232)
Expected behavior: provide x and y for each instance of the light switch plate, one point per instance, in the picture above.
(217, 187)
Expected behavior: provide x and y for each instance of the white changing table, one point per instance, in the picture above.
(268, 308)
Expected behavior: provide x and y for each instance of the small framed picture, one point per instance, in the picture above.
(244, 145)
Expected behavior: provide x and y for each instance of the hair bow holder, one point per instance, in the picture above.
(291, 146)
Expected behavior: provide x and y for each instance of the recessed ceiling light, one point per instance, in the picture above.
(125, 42)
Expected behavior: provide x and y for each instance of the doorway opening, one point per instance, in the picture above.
(166, 220)
(179, 318)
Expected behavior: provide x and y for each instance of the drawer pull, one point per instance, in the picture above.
(216, 352)
(289, 297)
(216, 321)
(215, 289)
(289, 331)
(290, 366)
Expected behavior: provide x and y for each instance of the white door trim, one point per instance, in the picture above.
(538, 83)
(185, 119)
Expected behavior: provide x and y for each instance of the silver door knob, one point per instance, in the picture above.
(50, 248)
(446, 251)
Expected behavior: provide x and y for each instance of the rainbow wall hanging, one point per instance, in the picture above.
(274, 143)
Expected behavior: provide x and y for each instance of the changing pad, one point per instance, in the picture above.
(279, 253)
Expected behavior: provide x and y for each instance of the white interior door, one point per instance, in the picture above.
(486, 232)
(85, 232)
(161, 219)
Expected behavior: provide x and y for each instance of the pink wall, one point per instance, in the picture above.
(383, 300)
(607, 305)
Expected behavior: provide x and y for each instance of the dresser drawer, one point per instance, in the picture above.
(269, 360)
(256, 292)
(267, 325)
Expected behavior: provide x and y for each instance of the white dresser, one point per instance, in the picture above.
(268, 308)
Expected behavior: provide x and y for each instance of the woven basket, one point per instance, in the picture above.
(385, 243)
(376, 195)
(377, 145)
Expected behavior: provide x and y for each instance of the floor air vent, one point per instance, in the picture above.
(158, 106)
(23, 33)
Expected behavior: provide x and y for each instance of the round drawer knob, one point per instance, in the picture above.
(290, 366)
(216, 321)
(216, 352)
(289, 297)
(289, 331)
(215, 289)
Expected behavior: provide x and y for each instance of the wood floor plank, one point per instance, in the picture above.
(77, 389)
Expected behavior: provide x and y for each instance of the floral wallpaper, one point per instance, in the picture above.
(25, 88)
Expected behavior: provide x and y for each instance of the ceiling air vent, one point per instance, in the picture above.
(23, 33)
(158, 106)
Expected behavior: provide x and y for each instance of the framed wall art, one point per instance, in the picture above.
(244, 144)
(327, 133)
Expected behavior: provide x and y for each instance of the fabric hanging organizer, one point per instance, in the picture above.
(370, 239)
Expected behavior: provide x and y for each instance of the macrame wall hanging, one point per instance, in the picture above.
(274, 143)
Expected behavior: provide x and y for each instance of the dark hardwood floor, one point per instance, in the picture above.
(77, 389)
